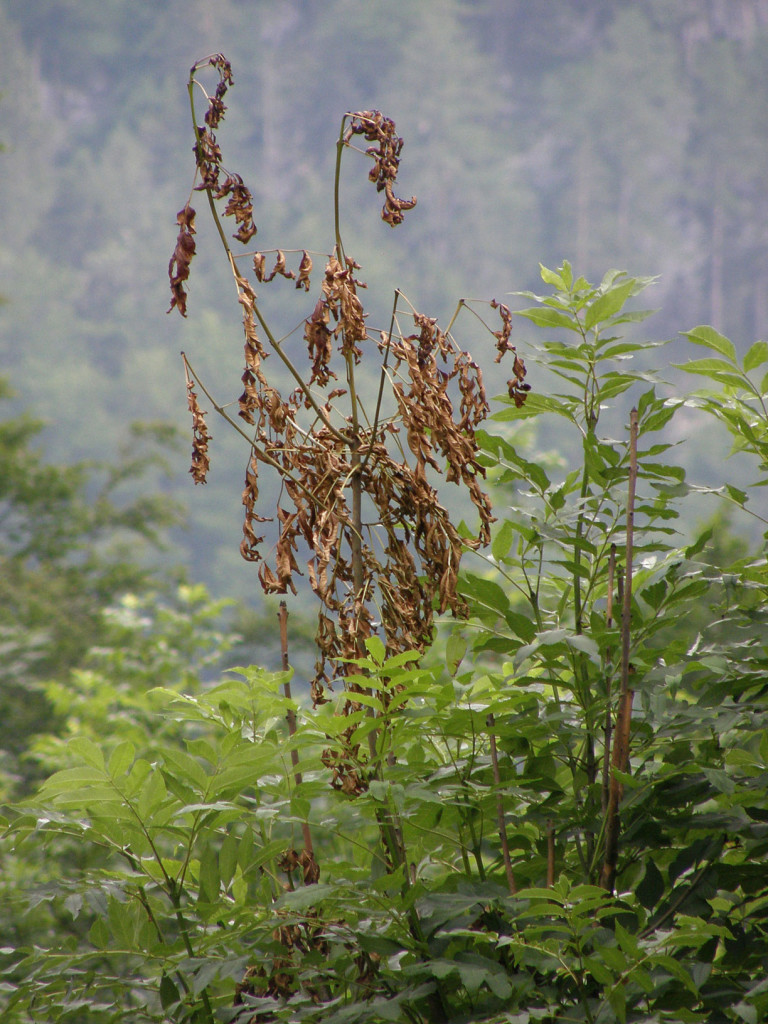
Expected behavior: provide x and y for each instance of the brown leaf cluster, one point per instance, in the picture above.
(291, 861)
(344, 761)
(208, 161)
(278, 977)
(344, 306)
(411, 550)
(281, 975)
(253, 379)
(516, 386)
(376, 128)
(179, 266)
(208, 156)
(427, 413)
(200, 437)
(302, 279)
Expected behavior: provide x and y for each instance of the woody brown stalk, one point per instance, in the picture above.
(291, 718)
(620, 753)
(500, 810)
(608, 670)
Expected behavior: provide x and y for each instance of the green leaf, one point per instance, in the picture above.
(186, 767)
(152, 795)
(651, 888)
(715, 369)
(88, 751)
(598, 970)
(617, 997)
(455, 649)
(545, 316)
(67, 780)
(486, 593)
(99, 934)
(169, 994)
(228, 855)
(472, 976)
(608, 305)
(535, 404)
(746, 1012)
(306, 897)
(245, 850)
(209, 875)
(740, 497)
(550, 277)
(756, 355)
(121, 759)
(502, 540)
(521, 625)
(710, 338)
(376, 649)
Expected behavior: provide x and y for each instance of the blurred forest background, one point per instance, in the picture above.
(611, 133)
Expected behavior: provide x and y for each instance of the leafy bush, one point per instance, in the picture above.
(558, 813)
(203, 904)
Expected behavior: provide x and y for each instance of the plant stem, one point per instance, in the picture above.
(550, 854)
(291, 716)
(184, 930)
(608, 670)
(620, 753)
(500, 810)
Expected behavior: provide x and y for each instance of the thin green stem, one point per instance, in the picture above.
(336, 193)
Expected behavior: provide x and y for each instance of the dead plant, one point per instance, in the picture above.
(358, 484)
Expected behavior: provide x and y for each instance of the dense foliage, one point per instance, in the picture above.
(558, 811)
(197, 900)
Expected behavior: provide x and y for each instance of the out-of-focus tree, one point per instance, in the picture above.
(70, 542)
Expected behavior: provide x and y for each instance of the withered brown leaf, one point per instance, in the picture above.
(305, 269)
(516, 386)
(179, 265)
(200, 437)
(375, 127)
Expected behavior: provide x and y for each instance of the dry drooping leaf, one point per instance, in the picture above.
(200, 436)
(344, 305)
(253, 378)
(239, 205)
(516, 385)
(319, 343)
(374, 127)
(305, 269)
(249, 546)
(216, 108)
(179, 266)
(208, 156)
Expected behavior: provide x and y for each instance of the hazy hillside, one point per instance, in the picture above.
(609, 133)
